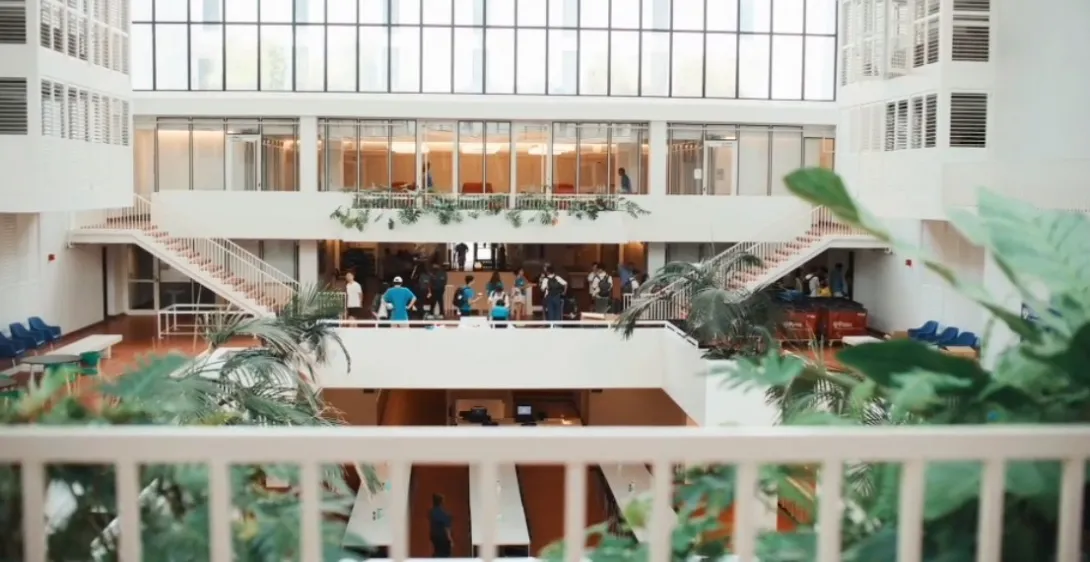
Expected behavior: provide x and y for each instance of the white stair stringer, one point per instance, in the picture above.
(232, 272)
(777, 260)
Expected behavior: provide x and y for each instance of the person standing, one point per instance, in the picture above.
(518, 294)
(626, 183)
(838, 282)
(554, 287)
(439, 289)
(463, 299)
(460, 251)
(601, 288)
(402, 300)
(354, 294)
(442, 542)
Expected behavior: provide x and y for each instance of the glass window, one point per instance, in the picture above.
(719, 79)
(141, 10)
(468, 61)
(375, 153)
(341, 59)
(593, 14)
(821, 16)
(241, 61)
(205, 10)
(594, 63)
(626, 151)
(500, 12)
(624, 63)
(787, 16)
(655, 64)
(655, 14)
(341, 12)
(685, 160)
(437, 12)
(436, 65)
(311, 11)
(471, 149)
(755, 15)
(143, 65)
(500, 61)
(373, 11)
(276, 49)
(275, 11)
(374, 64)
(563, 13)
(530, 54)
(723, 15)
(565, 158)
(209, 157)
(469, 12)
(820, 62)
(405, 59)
(171, 10)
(240, 11)
(531, 155)
(437, 152)
(753, 160)
(531, 13)
(625, 14)
(787, 156)
(172, 156)
(338, 156)
(310, 58)
(689, 15)
(497, 157)
(563, 61)
(171, 57)
(787, 67)
(593, 154)
(687, 66)
(753, 71)
(405, 11)
(206, 56)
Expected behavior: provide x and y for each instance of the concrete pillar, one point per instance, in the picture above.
(308, 154)
(659, 150)
(308, 262)
(656, 256)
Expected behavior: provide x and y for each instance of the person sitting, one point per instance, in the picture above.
(500, 313)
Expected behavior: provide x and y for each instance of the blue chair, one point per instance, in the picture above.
(965, 339)
(52, 333)
(946, 337)
(10, 349)
(925, 332)
(32, 339)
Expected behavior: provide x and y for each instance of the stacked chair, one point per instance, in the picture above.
(948, 337)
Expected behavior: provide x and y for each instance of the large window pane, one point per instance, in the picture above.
(438, 155)
(821, 16)
(375, 151)
(719, 78)
(786, 157)
(723, 15)
(753, 160)
(688, 65)
(241, 46)
(405, 59)
(626, 152)
(338, 159)
(531, 51)
(655, 64)
(563, 61)
(405, 11)
(172, 156)
(593, 14)
(171, 58)
(820, 68)
(469, 12)
(312, 11)
(565, 158)
(531, 154)
(171, 10)
(310, 58)
(240, 11)
(500, 12)
(689, 15)
(787, 16)
(341, 59)
(625, 14)
(594, 63)
(755, 15)
(531, 13)
(373, 50)
(787, 67)
(205, 10)
(438, 12)
(275, 11)
(143, 65)
(594, 165)
(655, 14)
(753, 59)
(341, 12)
(206, 56)
(141, 10)
(624, 64)
(209, 157)
(497, 156)
(468, 60)
(471, 150)
(373, 11)
(437, 63)
(276, 71)
(500, 61)
(563, 13)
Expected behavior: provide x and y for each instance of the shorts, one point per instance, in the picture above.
(356, 312)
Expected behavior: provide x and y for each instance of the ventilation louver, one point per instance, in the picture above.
(968, 120)
(12, 22)
(13, 106)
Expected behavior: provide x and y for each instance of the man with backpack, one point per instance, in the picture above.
(439, 289)
(423, 290)
(464, 297)
(601, 288)
(553, 287)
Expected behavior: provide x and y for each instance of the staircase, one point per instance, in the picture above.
(229, 270)
(777, 260)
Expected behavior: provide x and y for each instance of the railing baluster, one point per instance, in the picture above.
(990, 531)
(910, 514)
(310, 494)
(399, 474)
(663, 517)
(220, 510)
(745, 513)
(830, 510)
(34, 532)
(575, 515)
(1069, 541)
(128, 511)
(490, 504)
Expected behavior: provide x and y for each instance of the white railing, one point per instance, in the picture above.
(224, 260)
(483, 201)
(748, 448)
(485, 322)
(673, 300)
(194, 319)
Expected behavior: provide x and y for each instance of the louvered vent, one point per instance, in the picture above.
(968, 120)
(13, 106)
(930, 123)
(971, 25)
(13, 22)
(891, 125)
(916, 128)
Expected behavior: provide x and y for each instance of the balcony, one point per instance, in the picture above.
(127, 449)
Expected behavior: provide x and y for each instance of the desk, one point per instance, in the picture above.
(369, 525)
(50, 360)
(628, 482)
(512, 534)
(859, 340)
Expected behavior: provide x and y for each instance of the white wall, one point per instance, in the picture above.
(305, 216)
(66, 291)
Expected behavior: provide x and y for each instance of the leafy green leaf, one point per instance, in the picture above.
(881, 361)
(949, 486)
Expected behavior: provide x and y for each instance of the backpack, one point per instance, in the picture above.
(424, 281)
(553, 285)
(459, 297)
(605, 286)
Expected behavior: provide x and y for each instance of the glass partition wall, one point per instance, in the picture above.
(482, 156)
(742, 159)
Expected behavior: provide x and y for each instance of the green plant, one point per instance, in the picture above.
(267, 385)
(1040, 377)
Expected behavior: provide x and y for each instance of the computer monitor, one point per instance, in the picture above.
(524, 413)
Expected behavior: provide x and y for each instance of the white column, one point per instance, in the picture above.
(656, 256)
(308, 262)
(308, 154)
(656, 173)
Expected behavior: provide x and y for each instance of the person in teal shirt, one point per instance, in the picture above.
(465, 305)
(401, 300)
(500, 313)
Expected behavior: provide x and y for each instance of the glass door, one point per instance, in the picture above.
(244, 163)
(143, 282)
(721, 167)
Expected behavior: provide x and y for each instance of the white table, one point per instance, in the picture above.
(97, 342)
(859, 340)
(511, 529)
(370, 519)
(628, 482)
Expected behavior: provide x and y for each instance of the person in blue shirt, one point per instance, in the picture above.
(400, 300)
(501, 314)
(625, 273)
(838, 282)
(465, 305)
(626, 183)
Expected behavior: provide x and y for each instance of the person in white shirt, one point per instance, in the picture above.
(553, 287)
(813, 283)
(601, 288)
(355, 297)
